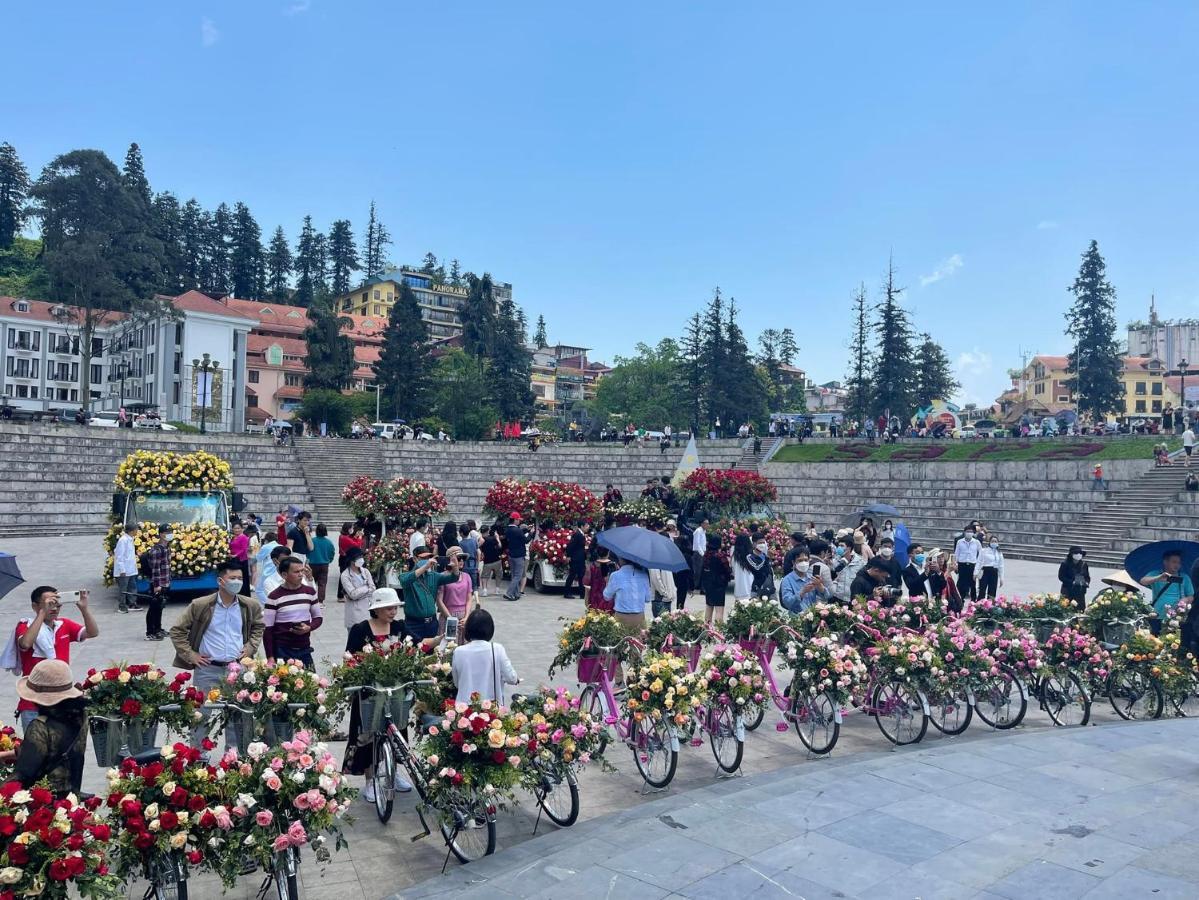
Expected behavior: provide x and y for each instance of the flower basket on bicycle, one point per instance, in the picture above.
(1116, 608)
(107, 739)
(374, 704)
(127, 702)
(586, 636)
(274, 701)
(756, 645)
(592, 662)
(1117, 633)
(752, 622)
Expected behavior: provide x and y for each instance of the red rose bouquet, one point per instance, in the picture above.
(776, 532)
(52, 846)
(364, 495)
(407, 499)
(739, 488)
(551, 546)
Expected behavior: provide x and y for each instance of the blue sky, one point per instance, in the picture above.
(617, 161)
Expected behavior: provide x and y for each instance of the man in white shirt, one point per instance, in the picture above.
(1188, 443)
(124, 569)
(699, 549)
(966, 553)
(417, 538)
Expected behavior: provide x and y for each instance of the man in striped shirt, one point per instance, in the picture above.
(293, 611)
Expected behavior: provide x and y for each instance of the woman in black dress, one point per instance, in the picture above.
(381, 626)
(1075, 576)
(714, 580)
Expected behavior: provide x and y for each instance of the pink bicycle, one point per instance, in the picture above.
(655, 745)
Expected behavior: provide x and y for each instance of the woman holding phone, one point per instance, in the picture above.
(456, 598)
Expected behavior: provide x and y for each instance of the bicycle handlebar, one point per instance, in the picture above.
(379, 689)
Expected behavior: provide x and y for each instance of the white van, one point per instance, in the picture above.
(387, 431)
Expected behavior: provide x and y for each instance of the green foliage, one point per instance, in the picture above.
(329, 406)
(478, 316)
(278, 265)
(539, 337)
(308, 266)
(374, 252)
(934, 374)
(966, 451)
(402, 371)
(167, 216)
(511, 365)
(459, 387)
(185, 428)
(1091, 322)
(14, 192)
(648, 389)
(362, 405)
(247, 260)
(215, 229)
(857, 380)
(777, 349)
(21, 271)
(343, 256)
(893, 376)
(330, 353)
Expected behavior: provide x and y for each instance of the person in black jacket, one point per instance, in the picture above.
(873, 582)
(886, 558)
(914, 577)
(576, 562)
(1075, 576)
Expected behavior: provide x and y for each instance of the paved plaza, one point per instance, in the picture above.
(951, 817)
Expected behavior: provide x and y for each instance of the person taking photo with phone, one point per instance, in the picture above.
(1169, 586)
(45, 635)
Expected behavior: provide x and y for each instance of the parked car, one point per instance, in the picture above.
(986, 428)
(966, 433)
(156, 424)
(104, 420)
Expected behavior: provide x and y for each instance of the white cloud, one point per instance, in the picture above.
(209, 33)
(943, 270)
(302, 6)
(973, 362)
(1046, 225)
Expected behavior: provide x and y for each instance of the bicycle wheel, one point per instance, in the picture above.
(558, 794)
(1064, 698)
(1185, 701)
(653, 752)
(950, 711)
(727, 747)
(816, 723)
(174, 890)
(592, 701)
(898, 711)
(754, 719)
(1134, 696)
(384, 779)
(1000, 701)
(468, 826)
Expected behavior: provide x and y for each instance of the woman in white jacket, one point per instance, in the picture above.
(481, 666)
(358, 585)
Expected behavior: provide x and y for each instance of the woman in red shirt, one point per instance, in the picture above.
(597, 580)
(349, 539)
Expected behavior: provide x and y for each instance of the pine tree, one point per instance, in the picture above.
(788, 349)
(429, 266)
(168, 228)
(134, 176)
(402, 372)
(320, 263)
(217, 233)
(192, 241)
(374, 255)
(14, 193)
(330, 353)
(247, 264)
(692, 347)
(278, 265)
(860, 363)
(511, 364)
(934, 374)
(1096, 361)
(746, 396)
(769, 350)
(478, 317)
(893, 375)
(343, 256)
(455, 273)
(539, 338)
(713, 358)
(306, 264)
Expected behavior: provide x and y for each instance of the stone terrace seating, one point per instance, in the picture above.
(59, 478)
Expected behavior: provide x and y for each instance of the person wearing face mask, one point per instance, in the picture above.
(214, 631)
(966, 554)
(888, 531)
(848, 564)
(159, 562)
(1075, 576)
(990, 564)
(914, 577)
(758, 563)
(800, 588)
(358, 587)
(886, 557)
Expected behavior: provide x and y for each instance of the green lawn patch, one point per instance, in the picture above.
(975, 451)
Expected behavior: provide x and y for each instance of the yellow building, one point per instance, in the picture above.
(1041, 389)
(1146, 389)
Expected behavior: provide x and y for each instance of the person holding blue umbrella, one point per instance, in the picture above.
(1169, 585)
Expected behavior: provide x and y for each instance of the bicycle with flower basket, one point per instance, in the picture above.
(1073, 660)
(753, 624)
(735, 686)
(568, 738)
(826, 674)
(681, 633)
(127, 703)
(271, 702)
(1133, 686)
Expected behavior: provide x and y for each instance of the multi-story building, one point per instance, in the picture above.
(146, 361)
(1042, 388)
(1174, 342)
(439, 303)
(562, 378)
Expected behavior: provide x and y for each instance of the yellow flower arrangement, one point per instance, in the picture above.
(196, 549)
(660, 687)
(150, 470)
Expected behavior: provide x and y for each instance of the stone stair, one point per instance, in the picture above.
(328, 464)
(754, 461)
(58, 478)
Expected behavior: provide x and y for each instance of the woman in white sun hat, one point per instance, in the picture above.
(382, 625)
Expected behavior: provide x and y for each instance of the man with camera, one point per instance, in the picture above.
(1169, 586)
(46, 635)
(873, 581)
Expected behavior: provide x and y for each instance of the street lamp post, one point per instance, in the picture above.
(1182, 370)
(375, 388)
(206, 367)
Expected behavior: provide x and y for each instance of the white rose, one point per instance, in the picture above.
(124, 677)
(247, 800)
(178, 840)
(10, 875)
(22, 797)
(152, 811)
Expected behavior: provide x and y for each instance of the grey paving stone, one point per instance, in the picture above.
(1178, 859)
(599, 883)
(1092, 854)
(670, 862)
(909, 885)
(1149, 830)
(807, 809)
(744, 834)
(970, 763)
(873, 789)
(1085, 773)
(827, 861)
(897, 839)
(948, 817)
(742, 880)
(920, 776)
(1043, 880)
(1135, 883)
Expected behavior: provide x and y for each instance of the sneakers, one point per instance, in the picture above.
(368, 793)
(513, 599)
(155, 637)
(402, 784)
(123, 608)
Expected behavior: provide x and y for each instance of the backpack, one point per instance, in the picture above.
(143, 564)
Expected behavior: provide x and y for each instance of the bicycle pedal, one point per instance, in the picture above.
(417, 837)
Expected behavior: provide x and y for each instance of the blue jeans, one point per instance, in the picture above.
(519, 566)
(204, 678)
(419, 629)
(27, 716)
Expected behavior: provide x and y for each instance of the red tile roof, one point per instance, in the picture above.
(196, 301)
(260, 343)
(39, 310)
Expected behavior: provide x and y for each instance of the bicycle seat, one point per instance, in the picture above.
(144, 758)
